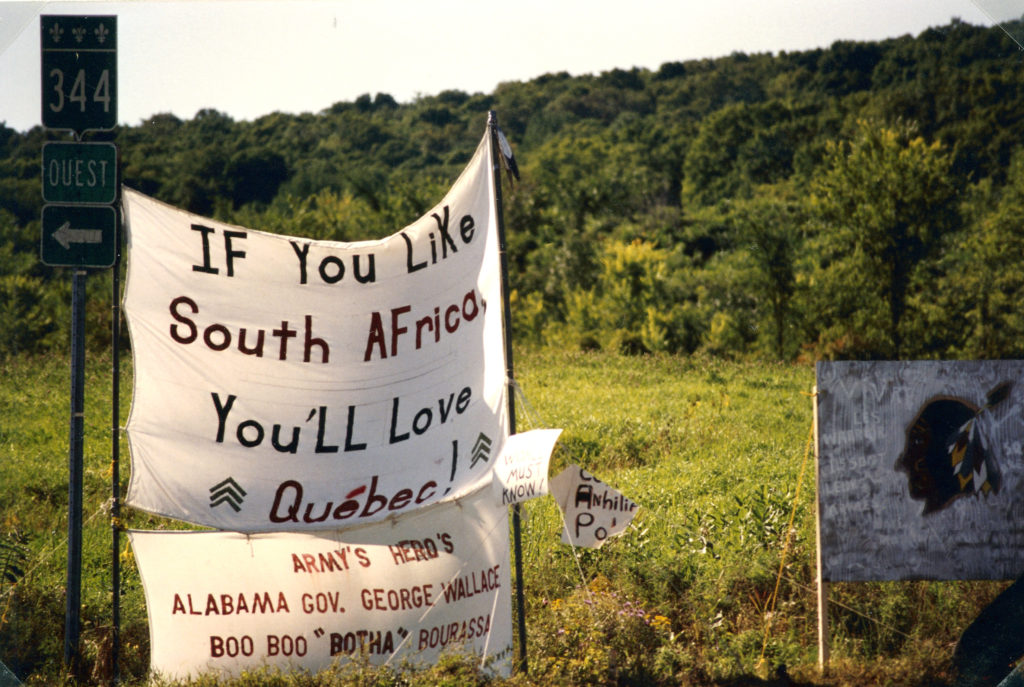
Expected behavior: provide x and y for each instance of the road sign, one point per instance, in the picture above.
(80, 173)
(79, 75)
(79, 235)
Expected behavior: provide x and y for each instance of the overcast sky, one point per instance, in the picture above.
(248, 58)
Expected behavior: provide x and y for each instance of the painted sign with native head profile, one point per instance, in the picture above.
(920, 468)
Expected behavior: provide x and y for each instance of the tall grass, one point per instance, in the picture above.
(709, 585)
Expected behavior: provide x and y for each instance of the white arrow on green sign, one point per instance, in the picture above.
(79, 235)
(65, 235)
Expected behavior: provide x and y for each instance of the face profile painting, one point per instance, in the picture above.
(948, 452)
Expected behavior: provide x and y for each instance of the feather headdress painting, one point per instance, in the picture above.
(948, 454)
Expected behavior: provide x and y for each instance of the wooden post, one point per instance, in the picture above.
(822, 584)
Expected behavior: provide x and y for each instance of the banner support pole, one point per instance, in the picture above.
(115, 461)
(492, 125)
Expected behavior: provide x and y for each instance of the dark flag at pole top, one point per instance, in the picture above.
(507, 157)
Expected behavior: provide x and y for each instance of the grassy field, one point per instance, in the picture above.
(709, 586)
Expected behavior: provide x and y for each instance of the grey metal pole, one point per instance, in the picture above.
(72, 614)
(517, 537)
(115, 464)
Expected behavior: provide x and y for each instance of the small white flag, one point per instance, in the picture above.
(521, 472)
(591, 510)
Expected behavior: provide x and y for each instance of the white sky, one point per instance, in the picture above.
(248, 58)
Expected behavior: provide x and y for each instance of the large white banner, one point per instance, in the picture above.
(436, 579)
(283, 384)
(921, 469)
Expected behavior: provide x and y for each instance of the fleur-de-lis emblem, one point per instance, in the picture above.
(79, 33)
(56, 32)
(101, 33)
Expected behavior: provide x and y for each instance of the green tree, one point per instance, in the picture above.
(633, 296)
(737, 148)
(883, 200)
(578, 179)
(768, 227)
(635, 306)
(982, 285)
(255, 175)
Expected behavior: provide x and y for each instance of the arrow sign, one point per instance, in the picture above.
(79, 236)
(65, 235)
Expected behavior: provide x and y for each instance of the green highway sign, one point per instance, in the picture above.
(80, 173)
(79, 235)
(79, 226)
(79, 74)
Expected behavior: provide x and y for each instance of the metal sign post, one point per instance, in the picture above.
(75, 468)
(79, 223)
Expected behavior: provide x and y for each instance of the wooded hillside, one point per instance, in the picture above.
(860, 201)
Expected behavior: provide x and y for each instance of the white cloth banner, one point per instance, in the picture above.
(591, 510)
(521, 472)
(284, 384)
(436, 579)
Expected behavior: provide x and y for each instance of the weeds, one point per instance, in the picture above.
(598, 636)
(13, 555)
(686, 596)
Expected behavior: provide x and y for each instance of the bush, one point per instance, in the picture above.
(599, 636)
(28, 315)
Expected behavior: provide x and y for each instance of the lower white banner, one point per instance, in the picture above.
(405, 589)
